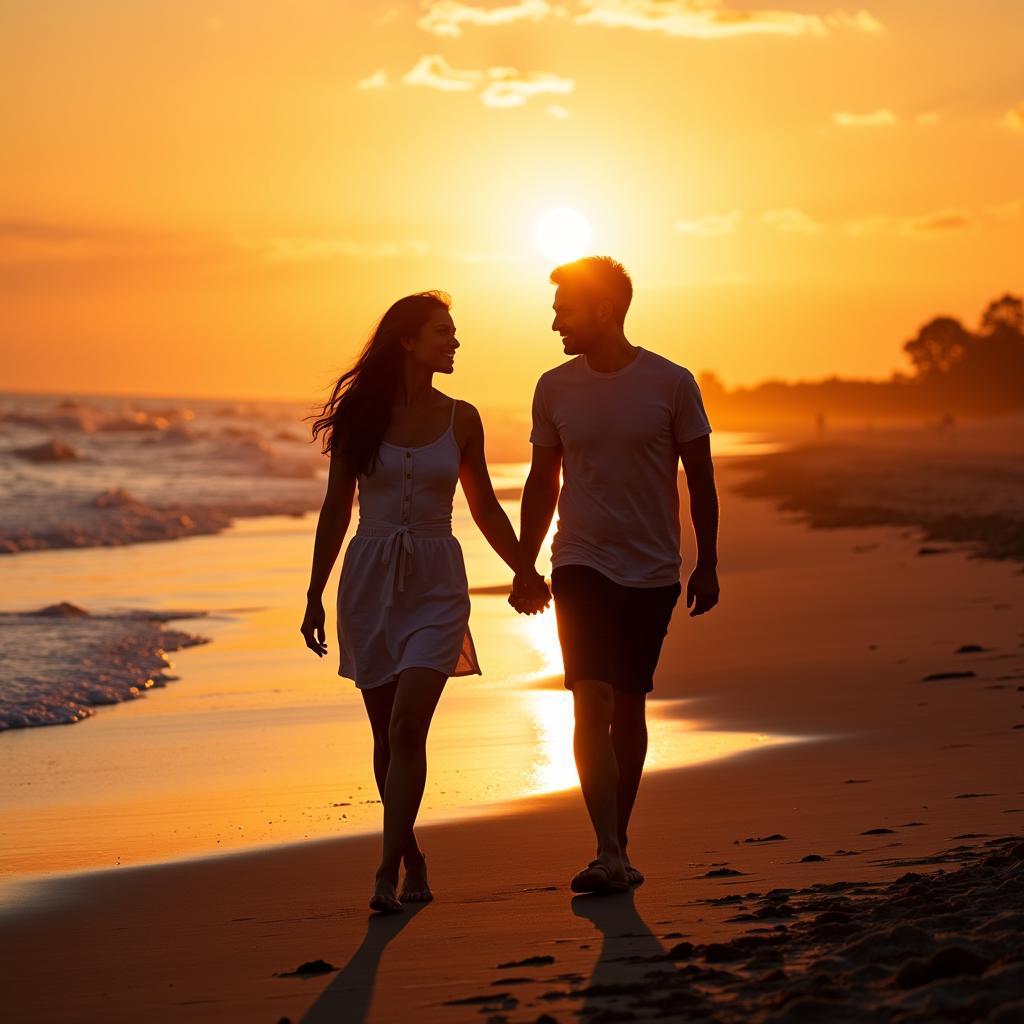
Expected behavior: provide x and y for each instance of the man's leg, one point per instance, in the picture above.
(594, 705)
(629, 741)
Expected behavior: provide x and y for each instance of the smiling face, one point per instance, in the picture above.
(577, 319)
(434, 346)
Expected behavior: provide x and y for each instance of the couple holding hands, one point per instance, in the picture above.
(610, 427)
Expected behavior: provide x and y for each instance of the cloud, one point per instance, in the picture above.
(508, 88)
(41, 243)
(378, 80)
(859, 21)
(938, 222)
(711, 225)
(501, 88)
(791, 220)
(929, 118)
(1014, 118)
(434, 72)
(446, 17)
(712, 19)
(24, 242)
(876, 119)
(556, 110)
(697, 19)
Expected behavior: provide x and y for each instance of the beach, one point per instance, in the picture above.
(284, 284)
(894, 680)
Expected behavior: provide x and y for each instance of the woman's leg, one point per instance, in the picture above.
(379, 701)
(417, 693)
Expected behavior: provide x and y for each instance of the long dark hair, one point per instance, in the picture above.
(356, 416)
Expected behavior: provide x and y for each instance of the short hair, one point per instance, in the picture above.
(604, 278)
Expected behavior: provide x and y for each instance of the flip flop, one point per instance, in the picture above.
(633, 876)
(385, 904)
(596, 878)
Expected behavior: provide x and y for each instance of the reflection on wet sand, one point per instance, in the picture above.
(257, 741)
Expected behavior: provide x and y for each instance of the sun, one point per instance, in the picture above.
(563, 234)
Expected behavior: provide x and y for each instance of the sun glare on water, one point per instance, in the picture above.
(563, 234)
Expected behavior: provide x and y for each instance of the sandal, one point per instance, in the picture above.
(597, 878)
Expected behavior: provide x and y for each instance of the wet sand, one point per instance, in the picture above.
(845, 635)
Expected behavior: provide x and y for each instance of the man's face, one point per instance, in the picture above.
(574, 319)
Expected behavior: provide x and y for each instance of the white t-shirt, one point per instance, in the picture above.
(620, 434)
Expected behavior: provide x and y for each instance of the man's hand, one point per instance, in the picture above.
(702, 590)
(312, 628)
(530, 593)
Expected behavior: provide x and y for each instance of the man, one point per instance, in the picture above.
(614, 421)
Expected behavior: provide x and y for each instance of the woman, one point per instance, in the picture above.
(403, 601)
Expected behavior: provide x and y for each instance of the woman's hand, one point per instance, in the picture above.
(530, 593)
(312, 628)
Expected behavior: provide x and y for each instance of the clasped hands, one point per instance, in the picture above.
(530, 593)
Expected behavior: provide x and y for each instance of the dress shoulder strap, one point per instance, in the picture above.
(451, 421)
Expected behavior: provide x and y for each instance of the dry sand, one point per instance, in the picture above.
(963, 485)
(832, 635)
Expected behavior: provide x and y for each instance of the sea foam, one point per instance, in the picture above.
(59, 663)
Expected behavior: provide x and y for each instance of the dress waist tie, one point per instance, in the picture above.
(399, 548)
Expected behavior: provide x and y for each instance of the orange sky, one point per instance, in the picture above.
(214, 197)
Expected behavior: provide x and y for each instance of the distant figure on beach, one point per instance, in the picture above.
(403, 600)
(615, 422)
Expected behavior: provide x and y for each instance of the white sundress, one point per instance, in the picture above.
(403, 599)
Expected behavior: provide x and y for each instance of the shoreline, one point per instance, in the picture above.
(922, 755)
(260, 744)
(25, 893)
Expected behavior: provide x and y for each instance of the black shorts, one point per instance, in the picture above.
(610, 632)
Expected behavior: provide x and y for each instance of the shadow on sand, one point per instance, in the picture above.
(347, 999)
(625, 978)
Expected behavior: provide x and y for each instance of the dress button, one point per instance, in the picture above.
(408, 455)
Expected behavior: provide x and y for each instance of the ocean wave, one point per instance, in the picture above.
(100, 472)
(57, 664)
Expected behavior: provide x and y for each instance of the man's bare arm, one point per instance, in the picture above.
(702, 588)
(540, 497)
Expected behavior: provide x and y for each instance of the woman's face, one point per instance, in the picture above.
(434, 347)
